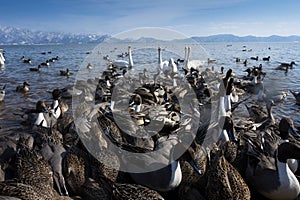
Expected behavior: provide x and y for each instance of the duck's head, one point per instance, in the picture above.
(293, 63)
(41, 107)
(222, 70)
(286, 127)
(188, 155)
(26, 84)
(229, 73)
(249, 70)
(270, 104)
(137, 99)
(56, 94)
(288, 150)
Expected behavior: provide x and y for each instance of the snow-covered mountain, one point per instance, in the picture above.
(12, 35)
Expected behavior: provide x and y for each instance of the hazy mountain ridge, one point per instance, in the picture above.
(250, 38)
(11, 35)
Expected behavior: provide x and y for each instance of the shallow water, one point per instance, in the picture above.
(76, 56)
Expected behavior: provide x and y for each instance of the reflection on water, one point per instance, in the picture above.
(73, 56)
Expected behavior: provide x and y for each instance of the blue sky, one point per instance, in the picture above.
(190, 17)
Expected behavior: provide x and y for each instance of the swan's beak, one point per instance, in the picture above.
(193, 164)
(293, 132)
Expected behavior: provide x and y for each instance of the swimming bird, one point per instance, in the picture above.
(27, 61)
(285, 66)
(297, 96)
(46, 63)
(123, 63)
(56, 58)
(210, 61)
(89, 66)
(266, 58)
(65, 72)
(254, 58)
(38, 69)
(265, 95)
(23, 88)
(2, 93)
(161, 64)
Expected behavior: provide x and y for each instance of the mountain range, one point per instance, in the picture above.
(12, 35)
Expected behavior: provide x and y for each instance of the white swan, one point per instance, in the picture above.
(186, 58)
(124, 63)
(193, 63)
(171, 69)
(161, 64)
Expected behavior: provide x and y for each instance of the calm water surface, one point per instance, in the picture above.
(73, 56)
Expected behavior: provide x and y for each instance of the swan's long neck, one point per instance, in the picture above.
(270, 114)
(174, 66)
(187, 58)
(185, 53)
(130, 58)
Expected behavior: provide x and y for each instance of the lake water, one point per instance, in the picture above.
(76, 56)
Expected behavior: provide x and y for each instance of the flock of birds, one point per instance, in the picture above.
(184, 112)
(45, 64)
